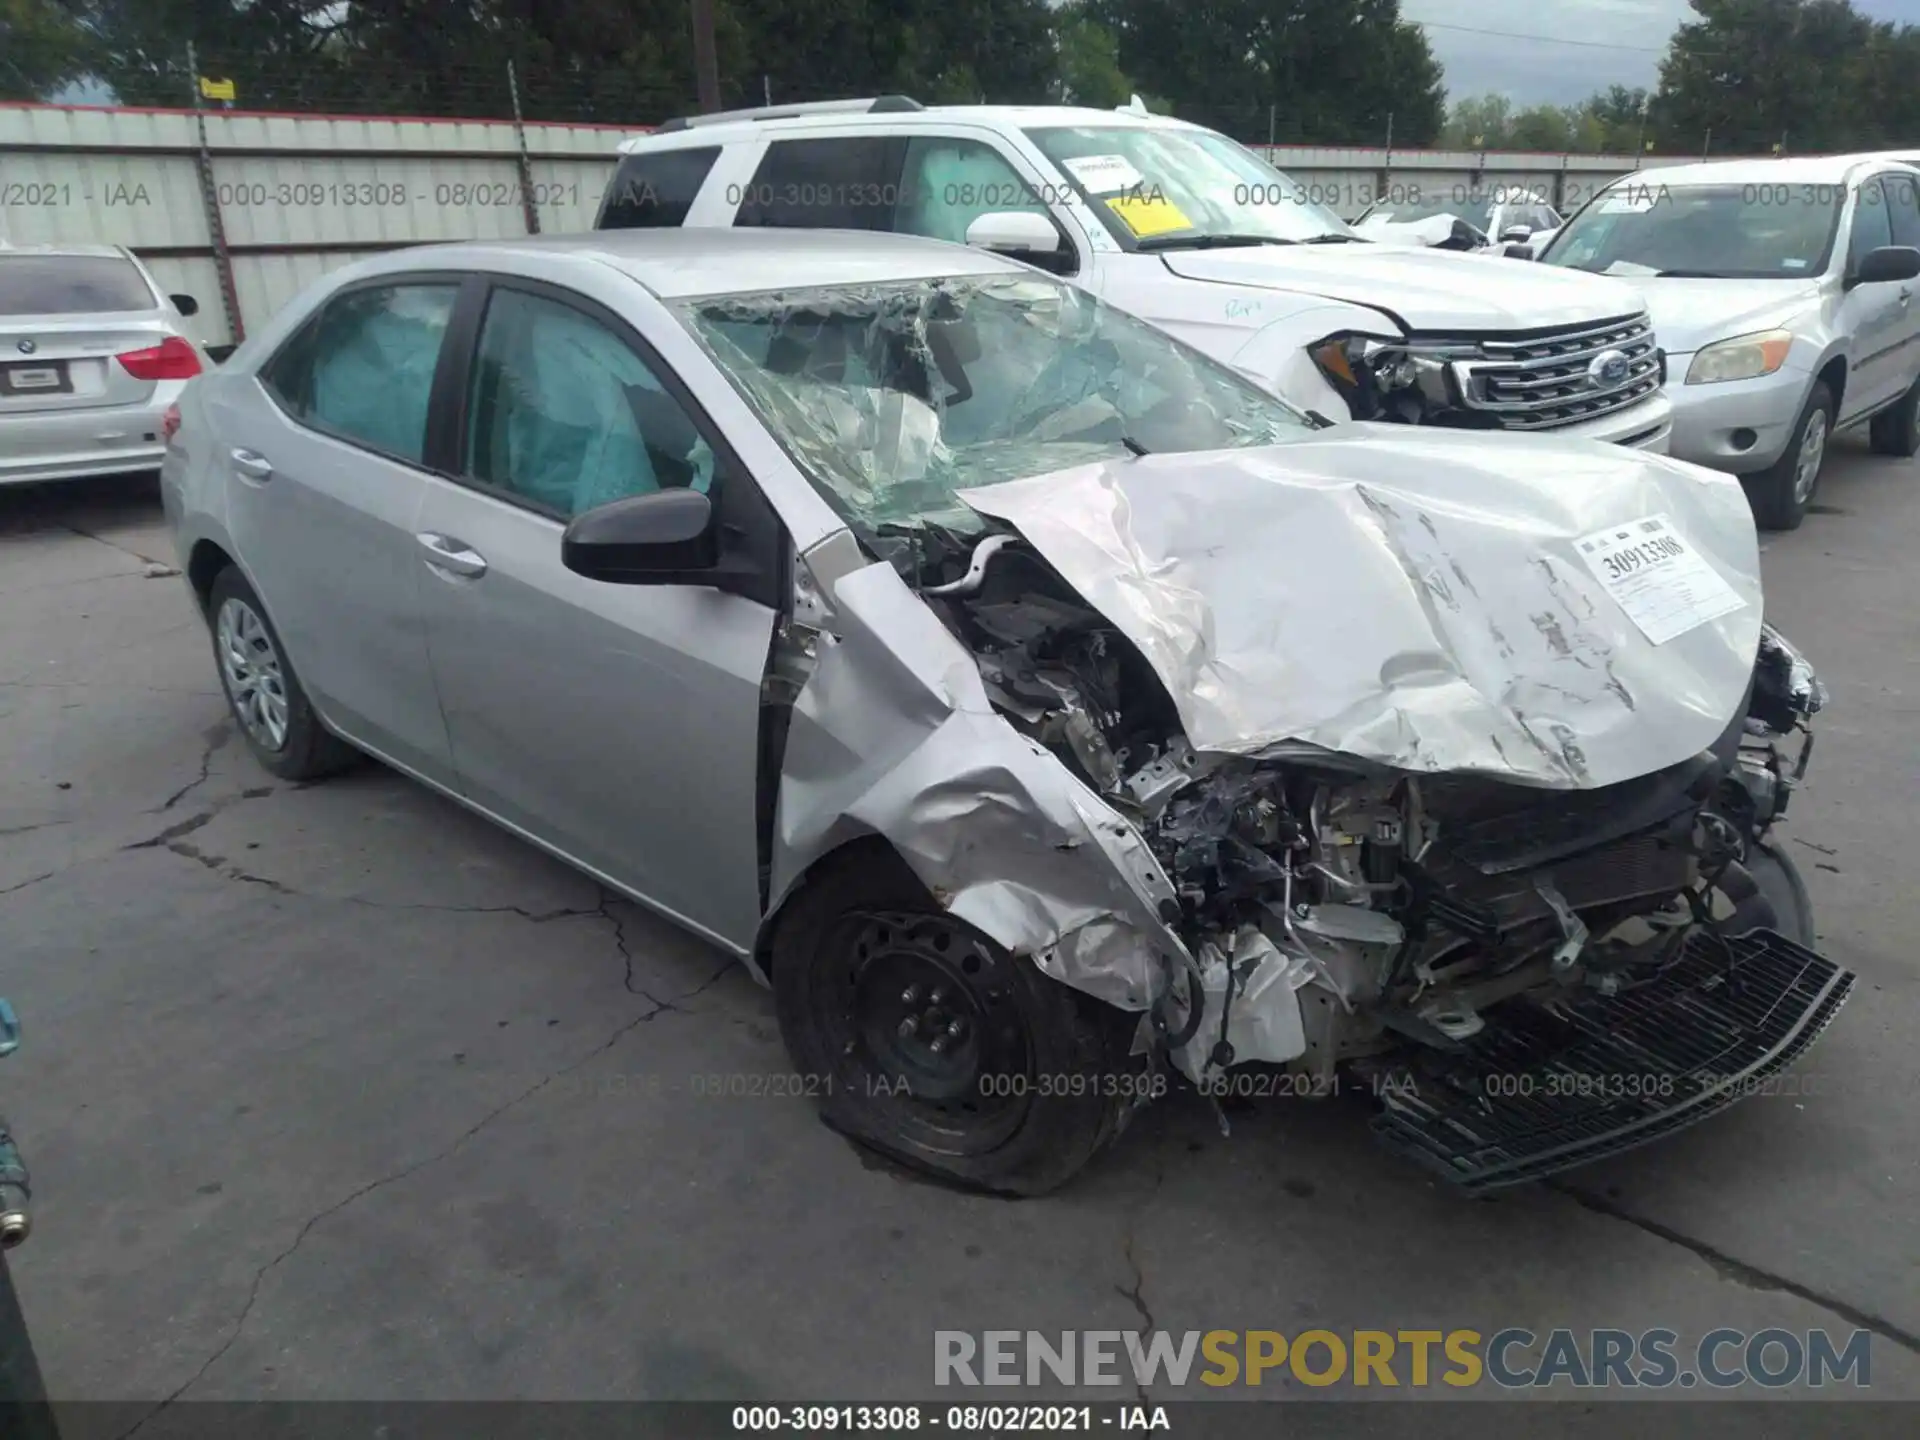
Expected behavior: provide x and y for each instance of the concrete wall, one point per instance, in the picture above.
(266, 203)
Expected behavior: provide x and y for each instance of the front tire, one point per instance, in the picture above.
(269, 706)
(1897, 431)
(1781, 493)
(923, 1039)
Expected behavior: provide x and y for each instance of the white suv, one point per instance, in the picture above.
(1193, 232)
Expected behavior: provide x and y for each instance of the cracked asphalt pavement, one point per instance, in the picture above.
(334, 1091)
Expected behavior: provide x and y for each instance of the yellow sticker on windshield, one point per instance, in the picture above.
(1148, 212)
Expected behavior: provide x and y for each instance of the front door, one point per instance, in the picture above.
(616, 724)
(1875, 315)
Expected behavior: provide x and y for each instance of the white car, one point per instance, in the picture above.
(1191, 231)
(1462, 220)
(1784, 291)
(92, 359)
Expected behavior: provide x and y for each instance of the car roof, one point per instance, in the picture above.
(1797, 170)
(723, 132)
(113, 252)
(677, 262)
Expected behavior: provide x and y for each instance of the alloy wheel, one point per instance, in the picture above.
(255, 677)
(1813, 450)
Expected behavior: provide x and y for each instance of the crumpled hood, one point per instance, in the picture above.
(1437, 291)
(1690, 313)
(1415, 597)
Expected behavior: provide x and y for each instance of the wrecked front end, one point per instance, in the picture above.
(1441, 762)
(1498, 869)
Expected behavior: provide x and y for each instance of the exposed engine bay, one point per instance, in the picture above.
(1342, 915)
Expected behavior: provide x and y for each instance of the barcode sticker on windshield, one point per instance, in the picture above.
(1666, 586)
(1105, 174)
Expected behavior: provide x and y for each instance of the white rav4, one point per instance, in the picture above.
(1193, 232)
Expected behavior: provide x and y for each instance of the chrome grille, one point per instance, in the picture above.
(1542, 382)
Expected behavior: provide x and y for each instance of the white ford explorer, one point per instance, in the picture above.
(1193, 232)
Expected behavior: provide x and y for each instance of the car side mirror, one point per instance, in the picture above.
(1020, 233)
(1518, 252)
(1517, 233)
(185, 304)
(665, 537)
(1889, 262)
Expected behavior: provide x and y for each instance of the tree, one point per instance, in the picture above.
(1322, 71)
(1752, 71)
(42, 49)
(1089, 53)
(1478, 123)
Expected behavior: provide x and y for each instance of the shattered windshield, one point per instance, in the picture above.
(1160, 188)
(894, 396)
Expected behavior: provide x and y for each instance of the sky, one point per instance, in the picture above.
(1561, 51)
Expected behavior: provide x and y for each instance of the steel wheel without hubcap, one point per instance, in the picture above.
(255, 678)
(1813, 450)
(923, 1022)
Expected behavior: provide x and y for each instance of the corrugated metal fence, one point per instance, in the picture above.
(242, 210)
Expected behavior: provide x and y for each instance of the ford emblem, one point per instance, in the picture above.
(27, 347)
(1608, 368)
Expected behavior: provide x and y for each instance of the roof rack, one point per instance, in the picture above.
(875, 105)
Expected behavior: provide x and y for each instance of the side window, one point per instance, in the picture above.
(1903, 205)
(656, 190)
(565, 416)
(363, 367)
(947, 184)
(834, 184)
(1871, 226)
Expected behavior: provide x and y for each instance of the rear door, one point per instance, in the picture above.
(618, 725)
(326, 453)
(1902, 191)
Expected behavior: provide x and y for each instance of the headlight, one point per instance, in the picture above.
(1744, 357)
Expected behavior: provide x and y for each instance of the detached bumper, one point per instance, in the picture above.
(1734, 425)
(1546, 1088)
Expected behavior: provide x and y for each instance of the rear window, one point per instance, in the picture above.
(850, 183)
(70, 285)
(656, 190)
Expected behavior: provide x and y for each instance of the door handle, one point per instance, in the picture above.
(453, 556)
(253, 465)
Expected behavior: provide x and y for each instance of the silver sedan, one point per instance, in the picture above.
(1046, 710)
(92, 359)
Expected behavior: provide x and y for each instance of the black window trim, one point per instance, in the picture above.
(743, 506)
(1860, 205)
(416, 279)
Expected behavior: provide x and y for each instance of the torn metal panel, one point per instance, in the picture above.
(893, 735)
(1415, 597)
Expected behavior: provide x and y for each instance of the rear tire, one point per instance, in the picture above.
(1897, 431)
(1033, 1079)
(1781, 493)
(263, 693)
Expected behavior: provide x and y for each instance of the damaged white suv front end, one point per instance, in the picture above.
(1139, 728)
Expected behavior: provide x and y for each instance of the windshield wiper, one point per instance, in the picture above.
(1204, 242)
(1333, 237)
(1134, 445)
